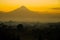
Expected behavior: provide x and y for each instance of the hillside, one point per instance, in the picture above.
(25, 15)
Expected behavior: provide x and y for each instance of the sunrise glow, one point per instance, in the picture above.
(34, 5)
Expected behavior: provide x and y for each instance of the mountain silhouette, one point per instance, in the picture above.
(25, 15)
(21, 9)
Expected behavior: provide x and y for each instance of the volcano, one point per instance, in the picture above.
(23, 14)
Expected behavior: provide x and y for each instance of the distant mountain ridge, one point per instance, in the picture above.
(25, 15)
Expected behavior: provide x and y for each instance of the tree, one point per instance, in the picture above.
(19, 27)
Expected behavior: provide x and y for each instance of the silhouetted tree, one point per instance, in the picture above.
(19, 30)
(20, 27)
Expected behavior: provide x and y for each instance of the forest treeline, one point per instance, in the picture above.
(49, 31)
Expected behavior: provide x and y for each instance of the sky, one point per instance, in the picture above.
(33, 5)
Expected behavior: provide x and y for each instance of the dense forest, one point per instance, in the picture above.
(37, 31)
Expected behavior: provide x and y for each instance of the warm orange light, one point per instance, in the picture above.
(34, 5)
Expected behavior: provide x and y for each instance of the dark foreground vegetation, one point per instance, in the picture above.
(48, 31)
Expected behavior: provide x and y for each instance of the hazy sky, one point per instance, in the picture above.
(34, 5)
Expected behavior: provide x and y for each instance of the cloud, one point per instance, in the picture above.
(56, 8)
